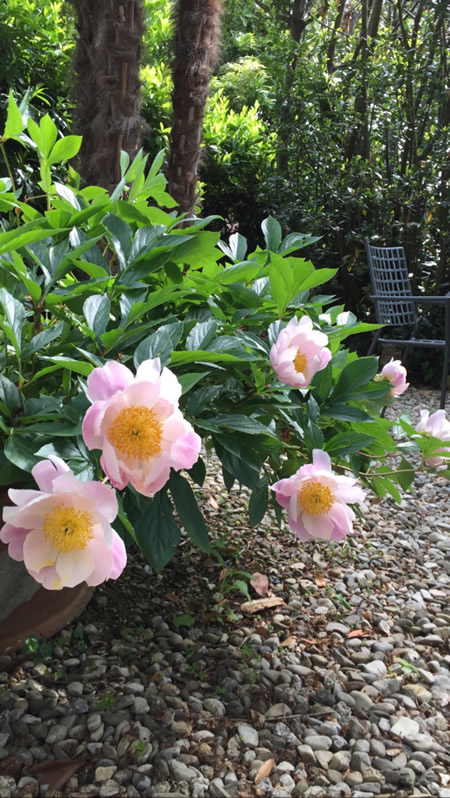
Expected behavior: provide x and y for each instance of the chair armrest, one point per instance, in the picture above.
(434, 300)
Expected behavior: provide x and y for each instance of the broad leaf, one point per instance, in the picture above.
(187, 509)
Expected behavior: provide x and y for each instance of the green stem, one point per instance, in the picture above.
(8, 168)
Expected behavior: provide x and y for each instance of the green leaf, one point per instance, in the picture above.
(198, 472)
(20, 451)
(313, 436)
(79, 367)
(272, 233)
(319, 277)
(42, 339)
(15, 316)
(344, 412)
(49, 132)
(159, 344)
(405, 474)
(183, 620)
(357, 373)
(187, 381)
(64, 149)
(120, 235)
(187, 509)
(236, 421)
(96, 310)
(322, 382)
(201, 335)
(9, 394)
(346, 443)
(14, 122)
(180, 357)
(257, 505)
(202, 399)
(156, 531)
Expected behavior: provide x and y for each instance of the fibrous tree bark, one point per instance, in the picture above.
(197, 38)
(107, 86)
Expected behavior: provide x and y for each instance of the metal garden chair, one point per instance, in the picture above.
(395, 304)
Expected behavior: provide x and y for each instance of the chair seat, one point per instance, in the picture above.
(413, 342)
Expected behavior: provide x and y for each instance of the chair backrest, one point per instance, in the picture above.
(389, 277)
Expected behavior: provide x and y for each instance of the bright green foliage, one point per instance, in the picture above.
(209, 310)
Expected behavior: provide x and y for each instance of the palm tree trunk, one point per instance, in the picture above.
(107, 86)
(196, 50)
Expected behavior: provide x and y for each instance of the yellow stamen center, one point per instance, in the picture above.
(315, 498)
(67, 528)
(300, 361)
(136, 432)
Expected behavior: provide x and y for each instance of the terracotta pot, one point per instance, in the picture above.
(28, 609)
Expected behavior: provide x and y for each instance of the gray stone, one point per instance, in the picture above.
(140, 706)
(248, 735)
(360, 761)
(407, 778)
(183, 772)
(75, 689)
(307, 754)
(377, 667)
(319, 742)
(216, 707)
(217, 790)
(56, 734)
(105, 773)
(405, 727)
(109, 789)
(340, 760)
(278, 711)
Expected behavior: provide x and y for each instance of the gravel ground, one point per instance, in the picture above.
(340, 690)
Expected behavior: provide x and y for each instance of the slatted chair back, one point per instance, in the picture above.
(389, 277)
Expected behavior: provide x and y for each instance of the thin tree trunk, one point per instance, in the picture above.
(196, 50)
(107, 86)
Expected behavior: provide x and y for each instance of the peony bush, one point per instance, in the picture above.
(134, 349)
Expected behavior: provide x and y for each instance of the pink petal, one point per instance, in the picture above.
(38, 553)
(318, 526)
(14, 537)
(321, 459)
(102, 561)
(149, 370)
(103, 497)
(22, 497)
(110, 465)
(105, 381)
(91, 427)
(342, 517)
(119, 556)
(47, 470)
(185, 451)
(74, 567)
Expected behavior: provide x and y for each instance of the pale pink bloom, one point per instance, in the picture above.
(437, 426)
(299, 352)
(136, 422)
(62, 532)
(317, 500)
(342, 318)
(395, 373)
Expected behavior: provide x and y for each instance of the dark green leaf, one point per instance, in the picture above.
(120, 235)
(272, 233)
(20, 451)
(156, 531)
(42, 339)
(187, 509)
(202, 399)
(345, 443)
(14, 314)
(187, 381)
(96, 310)
(9, 394)
(198, 472)
(354, 375)
(201, 335)
(313, 436)
(258, 502)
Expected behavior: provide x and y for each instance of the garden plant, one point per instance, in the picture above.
(133, 348)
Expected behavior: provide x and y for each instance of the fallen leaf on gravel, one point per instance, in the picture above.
(257, 718)
(261, 604)
(213, 502)
(172, 597)
(264, 770)
(55, 772)
(359, 633)
(320, 579)
(289, 642)
(260, 583)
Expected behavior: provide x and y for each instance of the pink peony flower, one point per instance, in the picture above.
(317, 500)
(62, 531)
(395, 373)
(437, 426)
(136, 422)
(299, 352)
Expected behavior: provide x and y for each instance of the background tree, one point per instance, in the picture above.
(107, 85)
(196, 44)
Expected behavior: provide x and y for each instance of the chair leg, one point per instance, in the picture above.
(374, 342)
(444, 379)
